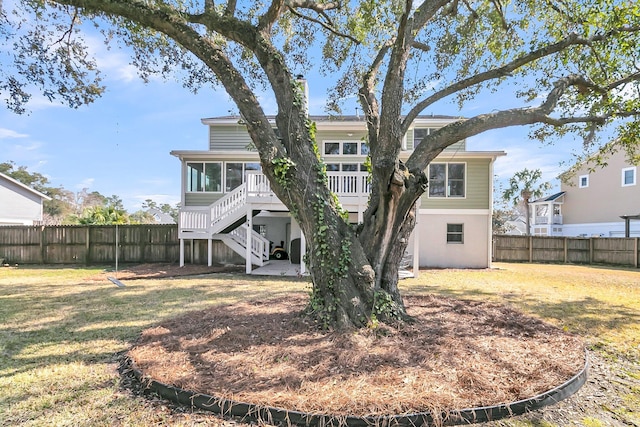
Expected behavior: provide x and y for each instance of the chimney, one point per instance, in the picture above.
(304, 87)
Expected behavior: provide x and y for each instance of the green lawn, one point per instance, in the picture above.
(61, 331)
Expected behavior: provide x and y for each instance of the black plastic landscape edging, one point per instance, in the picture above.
(279, 416)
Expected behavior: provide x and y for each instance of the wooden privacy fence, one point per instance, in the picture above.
(89, 244)
(577, 250)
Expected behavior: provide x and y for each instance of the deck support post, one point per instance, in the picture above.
(303, 251)
(209, 251)
(181, 252)
(249, 239)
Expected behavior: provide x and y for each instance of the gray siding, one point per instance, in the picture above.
(18, 205)
(201, 199)
(229, 137)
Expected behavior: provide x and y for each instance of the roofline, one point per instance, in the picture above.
(26, 187)
(335, 121)
(239, 154)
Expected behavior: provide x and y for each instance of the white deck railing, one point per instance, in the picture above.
(228, 209)
(259, 245)
(542, 220)
(341, 183)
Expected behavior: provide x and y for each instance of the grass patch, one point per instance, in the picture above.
(61, 330)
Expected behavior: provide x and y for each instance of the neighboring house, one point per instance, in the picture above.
(597, 197)
(546, 215)
(19, 204)
(224, 195)
(595, 201)
(160, 217)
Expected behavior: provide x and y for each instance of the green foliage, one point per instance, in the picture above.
(525, 185)
(34, 180)
(282, 165)
(103, 215)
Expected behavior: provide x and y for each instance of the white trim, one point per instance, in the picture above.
(19, 184)
(454, 212)
(586, 185)
(635, 177)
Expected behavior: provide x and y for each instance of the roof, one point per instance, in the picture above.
(19, 184)
(551, 198)
(332, 120)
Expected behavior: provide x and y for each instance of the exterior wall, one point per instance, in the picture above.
(229, 142)
(478, 181)
(18, 206)
(602, 229)
(434, 250)
(605, 199)
(229, 137)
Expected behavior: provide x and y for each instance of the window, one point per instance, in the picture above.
(455, 233)
(233, 175)
(352, 148)
(447, 180)
(204, 176)
(236, 174)
(346, 167)
(583, 181)
(420, 133)
(628, 176)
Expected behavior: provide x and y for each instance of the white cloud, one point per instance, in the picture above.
(85, 183)
(8, 133)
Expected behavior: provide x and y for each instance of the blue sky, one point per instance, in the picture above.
(120, 144)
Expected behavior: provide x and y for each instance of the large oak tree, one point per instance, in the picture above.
(574, 64)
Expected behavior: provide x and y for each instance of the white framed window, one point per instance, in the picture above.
(447, 180)
(455, 233)
(583, 181)
(348, 148)
(346, 167)
(204, 177)
(236, 173)
(420, 133)
(629, 176)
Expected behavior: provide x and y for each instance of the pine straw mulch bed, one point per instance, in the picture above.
(457, 354)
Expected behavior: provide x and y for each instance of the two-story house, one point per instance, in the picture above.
(228, 210)
(599, 201)
(19, 204)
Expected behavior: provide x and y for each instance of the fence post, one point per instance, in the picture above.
(635, 252)
(590, 250)
(87, 258)
(43, 245)
(566, 251)
(530, 248)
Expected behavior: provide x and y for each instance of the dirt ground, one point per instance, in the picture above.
(458, 354)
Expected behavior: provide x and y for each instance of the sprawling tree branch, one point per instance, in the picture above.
(326, 25)
(500, 72)
(425, 152)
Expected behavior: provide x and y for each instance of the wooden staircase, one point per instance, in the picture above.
(224, 220)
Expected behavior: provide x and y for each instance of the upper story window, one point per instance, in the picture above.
(420, 133)
(583, 181)
(447, 179)
(236, 173)
(346, 167)
(335, 148)
(629, 176)
(204, 176)
(210, 176)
